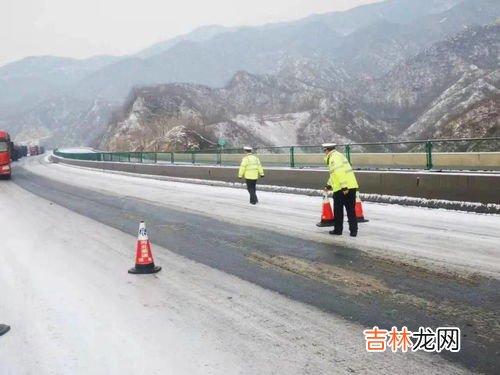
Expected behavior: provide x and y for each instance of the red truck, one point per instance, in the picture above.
(5, 154)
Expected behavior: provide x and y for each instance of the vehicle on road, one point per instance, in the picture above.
(5, 154)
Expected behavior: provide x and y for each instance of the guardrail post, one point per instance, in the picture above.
(193, 158)
(428, 154)
(219, 156)
(292, 157)
(348, 153)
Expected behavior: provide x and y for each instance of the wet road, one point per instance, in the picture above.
(345, 281)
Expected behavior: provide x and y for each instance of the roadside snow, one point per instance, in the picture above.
(77, 150)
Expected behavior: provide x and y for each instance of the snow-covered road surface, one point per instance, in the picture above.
(74, 309)
(436, 238)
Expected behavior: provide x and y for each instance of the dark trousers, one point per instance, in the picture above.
(252, 189)
(341, 200)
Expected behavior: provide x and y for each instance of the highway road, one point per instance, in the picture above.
(243, 289)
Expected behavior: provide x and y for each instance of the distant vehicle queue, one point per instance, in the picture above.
(10, 152)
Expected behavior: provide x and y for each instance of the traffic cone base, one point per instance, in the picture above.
(141, 269)
(144, 258)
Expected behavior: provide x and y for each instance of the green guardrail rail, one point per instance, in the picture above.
(432, 154)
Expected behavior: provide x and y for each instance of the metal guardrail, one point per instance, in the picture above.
(466, 153)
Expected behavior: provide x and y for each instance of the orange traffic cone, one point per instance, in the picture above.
(327, 219)
(143, 257)
(359, 209)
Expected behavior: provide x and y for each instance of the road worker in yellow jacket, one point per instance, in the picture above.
(251, 169)
(344, 185)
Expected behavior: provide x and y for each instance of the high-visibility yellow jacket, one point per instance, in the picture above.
(341, 173)
(250, 168)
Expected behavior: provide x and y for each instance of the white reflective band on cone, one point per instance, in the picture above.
(143, 233)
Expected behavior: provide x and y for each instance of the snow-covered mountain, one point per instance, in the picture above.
(307, 102)
(420, 95)
(263, 110)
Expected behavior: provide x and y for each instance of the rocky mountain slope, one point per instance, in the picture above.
(479, 120)
(376, 49)
(457, 102)
(440, 82)
(262, 110)
(307, 102)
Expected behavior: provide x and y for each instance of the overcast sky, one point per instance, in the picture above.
(83, 28)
